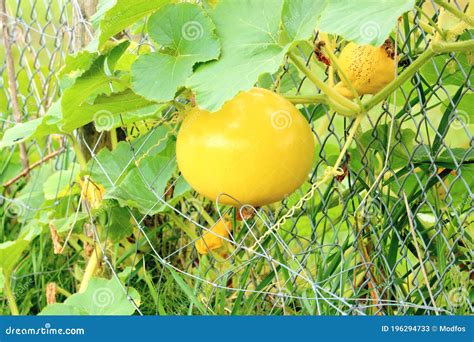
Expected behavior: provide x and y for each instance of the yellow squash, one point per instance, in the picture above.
(255, 150)
(369, 68)
(214, 238)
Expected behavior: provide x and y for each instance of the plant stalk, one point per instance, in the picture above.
(79, 155)
(402, 78)
(443, 47)
(91, 267)
(10, 296)
(307, 99)
(343, 76)
(454, 11)
(340, 102)
(429, 27)
(113, 138)
(434, 49)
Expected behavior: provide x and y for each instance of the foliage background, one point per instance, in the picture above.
(99, 110)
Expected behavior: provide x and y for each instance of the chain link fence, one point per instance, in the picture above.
(390, 236)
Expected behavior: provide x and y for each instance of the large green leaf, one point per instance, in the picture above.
(447, 69)
(118, 225)
(123, 14)
(299, 18)
(10, 253)
(74, 221)
(104, 110)
(252, 44)
(76, 65)
(111, 167)
(248, 31)
(102, 7)
(61, 183)
(101, 93)
(376, 140)
(187, 37)
(143, 186)
(363, 21)
(102, 297)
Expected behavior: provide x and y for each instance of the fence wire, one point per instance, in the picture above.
(343, 251)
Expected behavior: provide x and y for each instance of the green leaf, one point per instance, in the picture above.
(376, 140)
(76, 65)
(363, 21)
(20, 132)
(115, 54)
(143, 186)
(60, 183)
(99, 93)
(299, 18)
(59, 309)
(249, 33)
(447, 69)
(102, 7)
(115, 120)
(187, 37)
(82, 94)
(123, 14)
(104, 110)
(80, 63)
(180, 187)
(119, 225)
(102, 297)
(447, 158)
(111, 167)
(444, 123)
(30, 199)
(70, 222)
(252, 44)
(35, 128)
(10, 253)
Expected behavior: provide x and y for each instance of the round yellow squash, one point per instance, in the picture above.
(369, 68)
(255, 150)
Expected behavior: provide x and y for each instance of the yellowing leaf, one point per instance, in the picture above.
(93, 192)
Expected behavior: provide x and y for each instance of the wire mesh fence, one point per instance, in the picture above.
(391, 235)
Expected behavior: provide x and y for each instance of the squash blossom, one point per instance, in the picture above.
(213, 239)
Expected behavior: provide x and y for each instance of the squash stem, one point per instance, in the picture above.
(340, 102)
(307, 99)
(457, 13)
(91, 267)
